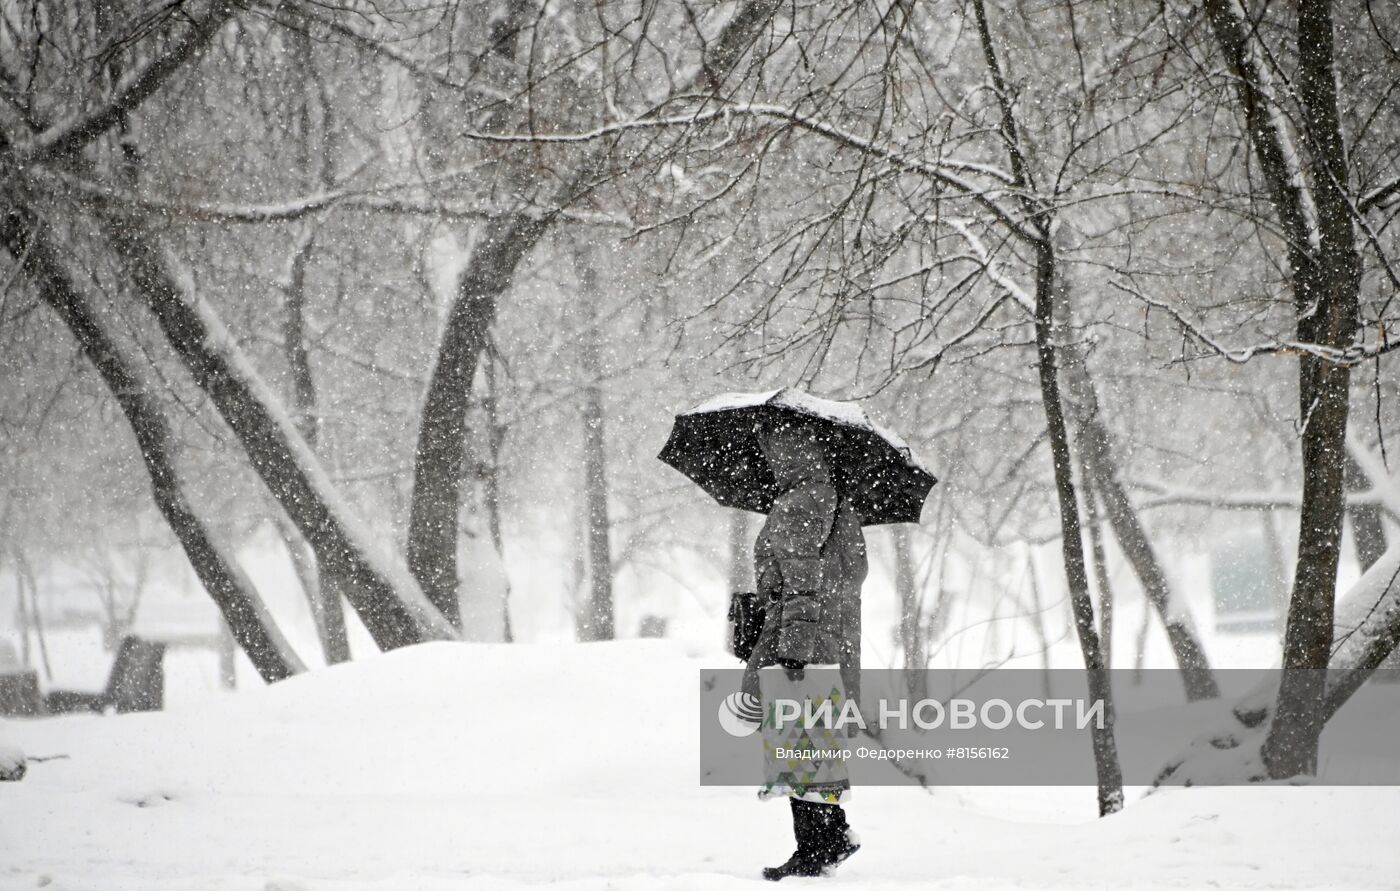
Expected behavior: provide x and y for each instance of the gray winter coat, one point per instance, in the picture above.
(809, 563)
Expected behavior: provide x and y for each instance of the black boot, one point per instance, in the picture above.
(835, 841)
(804, 861)
(823, 841)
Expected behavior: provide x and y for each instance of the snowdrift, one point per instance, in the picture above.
(475, 766)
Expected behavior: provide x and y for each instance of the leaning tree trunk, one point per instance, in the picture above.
(391, 606)
(28, 242)
(1370, 617)
(439, 460)
(1099, 461)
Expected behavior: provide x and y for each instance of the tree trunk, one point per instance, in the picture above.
(1278, 562)
(1371, 622)
(1100, 560)
(578, 569)
(26, 654)
(1327, 298)
(1196, 674)
(1140, 647)
(228, 668)
(496, 435)
(1369, 625)
(1047, 335)
(1110, 773)
(1094, 439)
(442, 433)
(321, 589)
(28, 242)
(440, 457)
(599, 622)
(1098, 458)
(1326, 272)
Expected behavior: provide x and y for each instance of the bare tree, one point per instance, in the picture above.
(500, 246)
(30, 246)
(1319, 238)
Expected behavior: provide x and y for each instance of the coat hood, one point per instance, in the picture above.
(794, 457)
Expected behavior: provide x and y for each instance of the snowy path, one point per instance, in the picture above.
(482, 767)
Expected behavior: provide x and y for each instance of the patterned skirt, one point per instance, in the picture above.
(803, 752)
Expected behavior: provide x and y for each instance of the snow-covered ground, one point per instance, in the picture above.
(470, 766)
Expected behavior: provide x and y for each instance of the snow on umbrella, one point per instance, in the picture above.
(715, 444)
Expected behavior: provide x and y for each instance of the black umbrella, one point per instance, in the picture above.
(715, 444)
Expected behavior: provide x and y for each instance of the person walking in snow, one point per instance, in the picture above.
(820, 470)
(809, 563)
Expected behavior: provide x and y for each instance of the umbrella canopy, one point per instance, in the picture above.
(715, 444)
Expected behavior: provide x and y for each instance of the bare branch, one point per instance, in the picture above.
(71, 135)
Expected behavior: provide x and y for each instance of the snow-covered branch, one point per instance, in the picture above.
(949, 172)
(373, 44)
(1159, 494)
(1007, 284)
(1367, 609)
(371, 199)
(71, 134)
(1352, 355)
(1381, 197)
